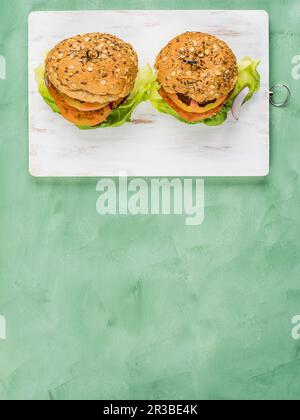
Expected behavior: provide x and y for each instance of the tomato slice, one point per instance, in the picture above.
(78, 117)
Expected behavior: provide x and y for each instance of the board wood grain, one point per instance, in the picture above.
(153, 144)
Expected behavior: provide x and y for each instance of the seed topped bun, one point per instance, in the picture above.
(95, 67)
(197, 65)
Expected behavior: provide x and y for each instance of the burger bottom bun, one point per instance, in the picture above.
(86, 96)
(83, 106)
(190, 116)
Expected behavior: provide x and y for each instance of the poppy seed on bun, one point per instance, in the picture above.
(200, 69)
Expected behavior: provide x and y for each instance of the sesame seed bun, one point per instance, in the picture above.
(197, 65)
(95, 68)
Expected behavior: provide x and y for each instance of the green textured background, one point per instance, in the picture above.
(145, 307)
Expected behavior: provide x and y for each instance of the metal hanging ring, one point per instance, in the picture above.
(276, 88)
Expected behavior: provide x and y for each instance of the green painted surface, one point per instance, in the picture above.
(145, 307)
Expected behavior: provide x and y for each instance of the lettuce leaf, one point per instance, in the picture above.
(120, 115)
(43, 90)
(248, 76)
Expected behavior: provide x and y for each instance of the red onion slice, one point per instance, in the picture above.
(238, 102)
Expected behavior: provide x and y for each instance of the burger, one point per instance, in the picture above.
(197, 73)
(90, 76)
(198, 78)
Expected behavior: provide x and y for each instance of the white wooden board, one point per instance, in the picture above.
(153, 144)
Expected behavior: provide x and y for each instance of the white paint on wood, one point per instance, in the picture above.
(153, 144)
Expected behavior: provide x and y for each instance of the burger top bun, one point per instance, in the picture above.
(94, 67)
(197, 65)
